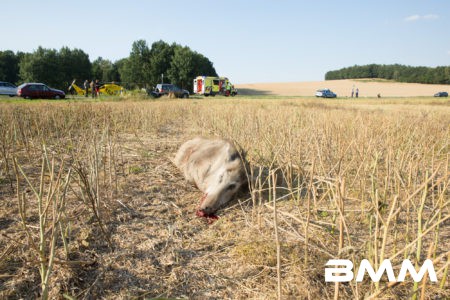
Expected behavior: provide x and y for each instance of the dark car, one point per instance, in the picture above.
(166, 89)
(441, 94)
(40, 91)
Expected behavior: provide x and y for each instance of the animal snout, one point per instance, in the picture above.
(201, 213)
(206, 210)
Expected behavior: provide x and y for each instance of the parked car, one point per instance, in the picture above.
(441, 94)
(7, 88)
(39, 90)
(167, 88)
(325, 93)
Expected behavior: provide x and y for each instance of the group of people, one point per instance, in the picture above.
(355, 94)
(94, 86)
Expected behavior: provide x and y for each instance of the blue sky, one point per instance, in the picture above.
(248, 41)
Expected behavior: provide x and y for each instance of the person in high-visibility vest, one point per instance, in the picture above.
(228, 88)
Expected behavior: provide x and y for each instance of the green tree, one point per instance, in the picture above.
(161, 55)
(41, 66)
(104, 70)
(447, 75)
(142, 68)
(135, 70)
(394, 72)
(203, 66)
(55, 68)
(186, 65)
(126, 73)
(73, 64)
(181, 67)
(9, 66)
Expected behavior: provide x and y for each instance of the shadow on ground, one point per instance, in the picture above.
(254, 92)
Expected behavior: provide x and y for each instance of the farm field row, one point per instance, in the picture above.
(90, 197)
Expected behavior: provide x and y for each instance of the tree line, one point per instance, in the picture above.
(143, 68)
(401, 73)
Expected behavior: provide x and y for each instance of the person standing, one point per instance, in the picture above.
(357, 93)
(353, 91)
(92, 85)
(86, 88)
(97, 88)
(228, 89)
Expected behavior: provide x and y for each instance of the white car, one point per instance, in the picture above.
(325, 93)
(7, 88)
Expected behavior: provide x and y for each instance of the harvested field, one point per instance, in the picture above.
(343, 88)
(92, 206)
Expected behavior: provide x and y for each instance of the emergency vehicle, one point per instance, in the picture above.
(211, 86)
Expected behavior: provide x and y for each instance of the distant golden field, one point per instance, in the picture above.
(343, 88)
(92, 206)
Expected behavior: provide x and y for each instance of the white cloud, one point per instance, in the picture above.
(414, 18)
(430, 17)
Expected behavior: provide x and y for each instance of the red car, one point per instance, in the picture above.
(39, 90)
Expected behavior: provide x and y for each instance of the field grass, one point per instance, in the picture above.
(92, 206)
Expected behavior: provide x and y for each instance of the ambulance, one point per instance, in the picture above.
(211, 86)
